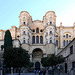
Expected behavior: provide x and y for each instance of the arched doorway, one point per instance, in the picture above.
(37, 55)
(37, 66)
(65, 67)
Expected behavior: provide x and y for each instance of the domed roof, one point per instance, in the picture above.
(37, 21)
(50, 12)
(25, 12)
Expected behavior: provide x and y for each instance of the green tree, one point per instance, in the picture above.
(31, 64)
(55, 60)
(52, 61)
(16, 57)
(7, 40)
(45, 62)
(60, 59)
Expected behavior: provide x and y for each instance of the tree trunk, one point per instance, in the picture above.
(52, 70)
(47, 70)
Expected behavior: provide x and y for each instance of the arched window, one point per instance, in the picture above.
(50, 41)
(66, 42)
(41, 30)
(18, 36)
(23, 32)
(33, 39)
(37, 39)
(66, 35)
(50, 32)
(69, 35)
(56, 35)
(56, 42)
(24, 23)
(33, 30)
(24, 41)
(37, 30)
(50, 22)
(63, 42)
(63, 35)
(41, 39)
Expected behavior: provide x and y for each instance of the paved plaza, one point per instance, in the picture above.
(37, 74)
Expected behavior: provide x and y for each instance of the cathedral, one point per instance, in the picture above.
(40, 38)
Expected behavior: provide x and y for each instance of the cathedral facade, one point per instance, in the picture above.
(40, 38)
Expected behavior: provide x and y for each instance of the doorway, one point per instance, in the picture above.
(37, 54)
(37, 66)
(65, 67)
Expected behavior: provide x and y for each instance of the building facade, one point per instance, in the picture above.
(40, 38)
(69, 53)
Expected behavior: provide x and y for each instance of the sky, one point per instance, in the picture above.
(10, 11)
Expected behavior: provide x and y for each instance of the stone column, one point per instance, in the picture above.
(61, 37)
(31, 57)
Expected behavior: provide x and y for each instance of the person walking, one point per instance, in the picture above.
(58, 70)
(35, 71)
(44, 72)
(39, 72)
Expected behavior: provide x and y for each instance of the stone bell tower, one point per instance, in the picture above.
(24, 25)
(50, 31)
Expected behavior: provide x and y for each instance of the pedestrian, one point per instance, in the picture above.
(39, 72)
(35, 71)
(44, 72)
(59, 70)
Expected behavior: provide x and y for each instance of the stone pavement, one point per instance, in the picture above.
(36, 74)
(60, 74)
